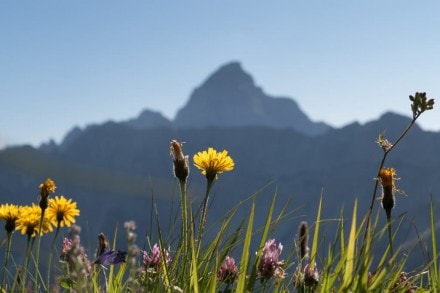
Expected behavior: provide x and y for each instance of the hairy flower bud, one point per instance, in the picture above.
(181, 162)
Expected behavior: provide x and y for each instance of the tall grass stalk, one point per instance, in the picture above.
(435, 269)
(244, 261)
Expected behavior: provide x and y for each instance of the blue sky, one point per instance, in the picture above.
(67, 63)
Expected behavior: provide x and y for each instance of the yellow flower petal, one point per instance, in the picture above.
(212, 163)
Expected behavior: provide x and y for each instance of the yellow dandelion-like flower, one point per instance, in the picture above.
(10, 213)
(387, 180)
(62, 211)
(29, 221)
(213, 163)
(47, 187)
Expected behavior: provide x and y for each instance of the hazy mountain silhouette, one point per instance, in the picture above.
(117, 169)
(229, 97)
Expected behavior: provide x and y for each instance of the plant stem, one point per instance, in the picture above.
(50, 258)
(390, 237)
(26, 263)
(382, 163)
(37, 256)
(184, 219)
(7, 253)
(203, 215)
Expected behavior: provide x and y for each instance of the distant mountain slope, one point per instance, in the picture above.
(114, 171)
(230, 98)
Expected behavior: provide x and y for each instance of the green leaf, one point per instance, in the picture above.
(241, 283)
(349, 257)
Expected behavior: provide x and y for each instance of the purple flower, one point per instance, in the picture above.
(228, 271)
(66, 247)
(73, 253)
(154, 261)
(311, 277)
(111, 257)
(269, 264)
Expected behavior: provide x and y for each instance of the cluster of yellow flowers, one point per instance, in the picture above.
(59, 212)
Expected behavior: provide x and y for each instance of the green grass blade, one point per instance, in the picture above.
(194, 274)
(314, 250)
(349, 257)
(263, 239)
(434, 276)
(112, 267)
(241, 283)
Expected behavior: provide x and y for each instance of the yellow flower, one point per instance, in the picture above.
(212, 163)
(387, 178)
(47, 187)
(9, 213)
(62, 211)
(29, 221)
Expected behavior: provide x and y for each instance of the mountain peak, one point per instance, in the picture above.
(230, 98)
(229, 75)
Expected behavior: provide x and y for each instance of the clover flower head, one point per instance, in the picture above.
(270, 265)
(311, 276)
(212, 163)
(65, 247)
(154, 260)
(228, 271)
(74, 254)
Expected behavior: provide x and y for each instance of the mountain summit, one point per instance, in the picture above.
(230, 98)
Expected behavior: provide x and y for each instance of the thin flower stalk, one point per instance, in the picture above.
(211, 163)
(181, 171)
(46, 189)
(419, 105)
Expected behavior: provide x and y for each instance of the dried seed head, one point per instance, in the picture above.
(303, 239)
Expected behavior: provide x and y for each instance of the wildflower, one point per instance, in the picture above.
(65, 248)
(213, 163)
(62, 211)
(420, 104)
(133, 249)
(404, 283)
(303, 239)
(228, 271)
(269, 264)
(111, 257)
(29, 221)
(384, 143)
(311, 276)
(46, 188)
(155, 260)
(181, 162)
(10, 213)
(74, 254)
(103, 244)
(386, 177)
